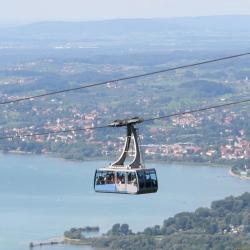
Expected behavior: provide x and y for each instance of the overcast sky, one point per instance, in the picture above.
(40, 10)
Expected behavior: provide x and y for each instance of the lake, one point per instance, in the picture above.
(41, 197)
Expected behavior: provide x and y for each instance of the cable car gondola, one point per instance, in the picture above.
(133, 178)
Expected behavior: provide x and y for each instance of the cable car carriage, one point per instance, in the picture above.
(132, 178)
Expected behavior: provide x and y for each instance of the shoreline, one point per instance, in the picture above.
(50, 242)
(57, 156)
(177, 163)
(85, 242)
(60, 240)
(239, 176)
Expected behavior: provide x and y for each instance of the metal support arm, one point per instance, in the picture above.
(136, 163)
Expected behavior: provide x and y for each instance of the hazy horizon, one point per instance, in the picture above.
(28, 11)
(16, 23)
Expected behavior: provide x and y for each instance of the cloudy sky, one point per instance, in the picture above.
(39, 10)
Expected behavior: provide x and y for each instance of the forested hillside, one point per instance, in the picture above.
(224, 226)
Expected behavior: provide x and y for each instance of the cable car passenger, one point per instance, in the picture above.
(132, 178)
(132, 182)
(121, 182)
(105, 181)
(100, 178)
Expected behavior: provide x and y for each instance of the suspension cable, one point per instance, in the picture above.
(124, 78)
(145, 120)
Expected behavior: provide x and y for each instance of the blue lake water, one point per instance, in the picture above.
(41, 197)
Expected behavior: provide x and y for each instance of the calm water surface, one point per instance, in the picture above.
(41, 197)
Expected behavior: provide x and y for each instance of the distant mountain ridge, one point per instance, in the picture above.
(120, 27)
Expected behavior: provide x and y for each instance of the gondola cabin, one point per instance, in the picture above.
(133, 178)
(131, 181)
